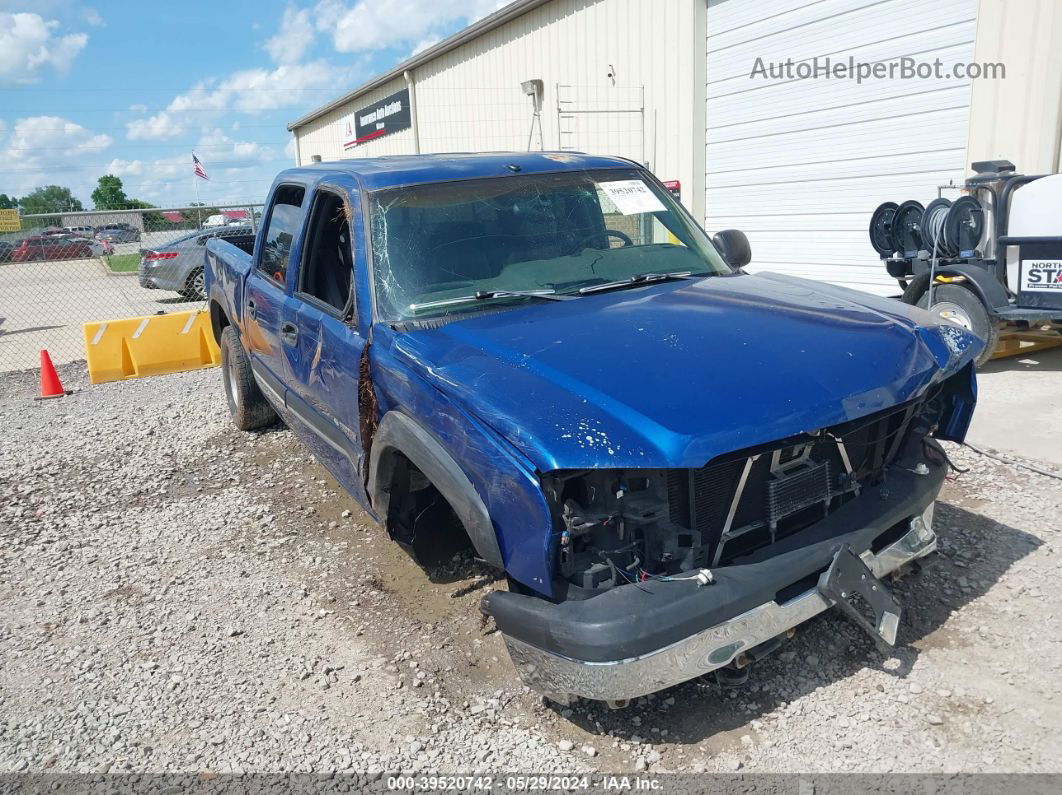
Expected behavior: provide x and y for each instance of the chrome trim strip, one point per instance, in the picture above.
(705, 651)
(323, 436)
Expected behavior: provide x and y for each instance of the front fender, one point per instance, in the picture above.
(398, 433)
(492, 473)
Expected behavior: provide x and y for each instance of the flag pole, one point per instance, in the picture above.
(198, 204)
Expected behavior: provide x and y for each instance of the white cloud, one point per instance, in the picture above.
(429, 41)
(29, 44)
(237, 169)
(294, 38)
(138, 108)
(154, 128)
(379, 24)
(44, 150)
(248, 91)
(221, 148)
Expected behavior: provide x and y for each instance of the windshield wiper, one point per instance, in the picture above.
(485, 295)
(639, 278)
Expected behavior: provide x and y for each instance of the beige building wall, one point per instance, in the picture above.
(621, 77)
(1019, 118)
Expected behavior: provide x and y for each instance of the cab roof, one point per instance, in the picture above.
(375, 173)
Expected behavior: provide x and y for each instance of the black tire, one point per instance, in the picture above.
(247, 405)
(971, 310)
(194, 287)
(915, 289)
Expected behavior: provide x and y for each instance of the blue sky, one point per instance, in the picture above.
(133, 88)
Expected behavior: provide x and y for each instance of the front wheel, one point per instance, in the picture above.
(247, 404)
(962, 307)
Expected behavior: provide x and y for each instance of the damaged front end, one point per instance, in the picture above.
(662, 575)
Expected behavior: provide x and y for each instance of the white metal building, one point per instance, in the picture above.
(798, 164)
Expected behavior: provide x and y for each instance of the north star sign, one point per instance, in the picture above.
(389, 115)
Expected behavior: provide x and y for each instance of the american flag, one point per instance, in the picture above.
(197, 167)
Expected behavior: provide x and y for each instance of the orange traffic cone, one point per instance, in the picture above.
(51, 386)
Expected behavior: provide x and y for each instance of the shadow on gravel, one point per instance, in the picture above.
(975, 552)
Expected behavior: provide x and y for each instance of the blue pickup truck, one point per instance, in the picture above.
(544, 357)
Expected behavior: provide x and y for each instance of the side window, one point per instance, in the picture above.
(284, 220)
(328, 261)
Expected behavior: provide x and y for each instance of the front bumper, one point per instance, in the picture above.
(560, 676)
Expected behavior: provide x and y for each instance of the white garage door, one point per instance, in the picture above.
(799, 165)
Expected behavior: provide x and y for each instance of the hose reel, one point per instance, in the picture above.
(881, 228)
(949, 229)
(933, 227)
(964, 226)
(907, 228)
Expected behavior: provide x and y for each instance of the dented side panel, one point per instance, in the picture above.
(501, 476)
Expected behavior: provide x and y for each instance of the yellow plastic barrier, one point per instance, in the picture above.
(152, 345)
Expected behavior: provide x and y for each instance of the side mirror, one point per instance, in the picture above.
(734, 247)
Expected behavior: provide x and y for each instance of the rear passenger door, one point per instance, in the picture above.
(324, 357)
(267, 287)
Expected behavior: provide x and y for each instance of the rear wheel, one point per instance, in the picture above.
(247, 404)
(195, 286)
(962, 307)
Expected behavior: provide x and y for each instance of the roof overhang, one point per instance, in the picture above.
(478, 28)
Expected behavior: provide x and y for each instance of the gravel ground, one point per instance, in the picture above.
(179, 596)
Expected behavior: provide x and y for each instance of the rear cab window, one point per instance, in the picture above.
(285, 217)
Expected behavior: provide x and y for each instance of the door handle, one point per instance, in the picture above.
(289, 333)
(252, 308)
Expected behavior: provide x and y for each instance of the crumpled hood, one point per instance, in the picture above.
(671, 375)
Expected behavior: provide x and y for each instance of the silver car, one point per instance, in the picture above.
(178, 265)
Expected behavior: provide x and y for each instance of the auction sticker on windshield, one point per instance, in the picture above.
(632, 196)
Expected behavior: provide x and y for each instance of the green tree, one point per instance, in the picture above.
(109, 194)
(8, 202)
(50, 199)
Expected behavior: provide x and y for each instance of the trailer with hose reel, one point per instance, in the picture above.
(990, 261)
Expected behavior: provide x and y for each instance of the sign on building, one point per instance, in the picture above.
(10, 221)
(387, 116)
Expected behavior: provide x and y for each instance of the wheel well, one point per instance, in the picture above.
(419, 517)
(218, 320)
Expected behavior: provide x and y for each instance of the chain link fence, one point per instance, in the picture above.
(60, 271)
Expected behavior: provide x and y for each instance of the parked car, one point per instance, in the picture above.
(178, 265)
(80, 231)
(673, 461)
(118, 233)
(98, 247)
(5, 250)
(55, 247)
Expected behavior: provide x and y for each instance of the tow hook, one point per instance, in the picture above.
(736, 673)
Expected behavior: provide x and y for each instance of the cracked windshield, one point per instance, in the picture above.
(454, 247)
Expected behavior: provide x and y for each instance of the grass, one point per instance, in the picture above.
(122, 263)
